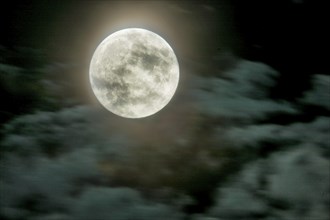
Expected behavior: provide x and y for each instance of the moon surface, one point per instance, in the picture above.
(134, 73)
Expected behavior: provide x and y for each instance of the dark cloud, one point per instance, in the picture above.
(243, 94)
(292, 179)
(121, 204)
(320, 93)
(52, 170)
(260, 136)
(22, 84)
(288, 185)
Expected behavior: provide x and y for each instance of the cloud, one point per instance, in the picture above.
(47, 157)
(29, 83)
(120, 204)
(314, 133)
(300, 177)
(252, 135)
(67, 182)
(180, 9)
(319, 95)
(242, 93)
(288, 173)
(288, 185)
(53, 133)
(258, 136)
(50, 182)
(53, 216)
(208, 8)
(17, 85)
(51, 170)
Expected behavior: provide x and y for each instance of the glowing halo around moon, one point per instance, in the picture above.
(134, 73)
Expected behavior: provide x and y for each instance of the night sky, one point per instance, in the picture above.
(290, 36)
(246, 136)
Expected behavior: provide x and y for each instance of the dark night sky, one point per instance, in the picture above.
(287, 35)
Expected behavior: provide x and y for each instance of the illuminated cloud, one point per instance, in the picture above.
(119, 203)
(320, 93)
(288, 185)
(52, 165)
(243, 94)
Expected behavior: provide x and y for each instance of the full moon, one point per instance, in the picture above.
(134, 73)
